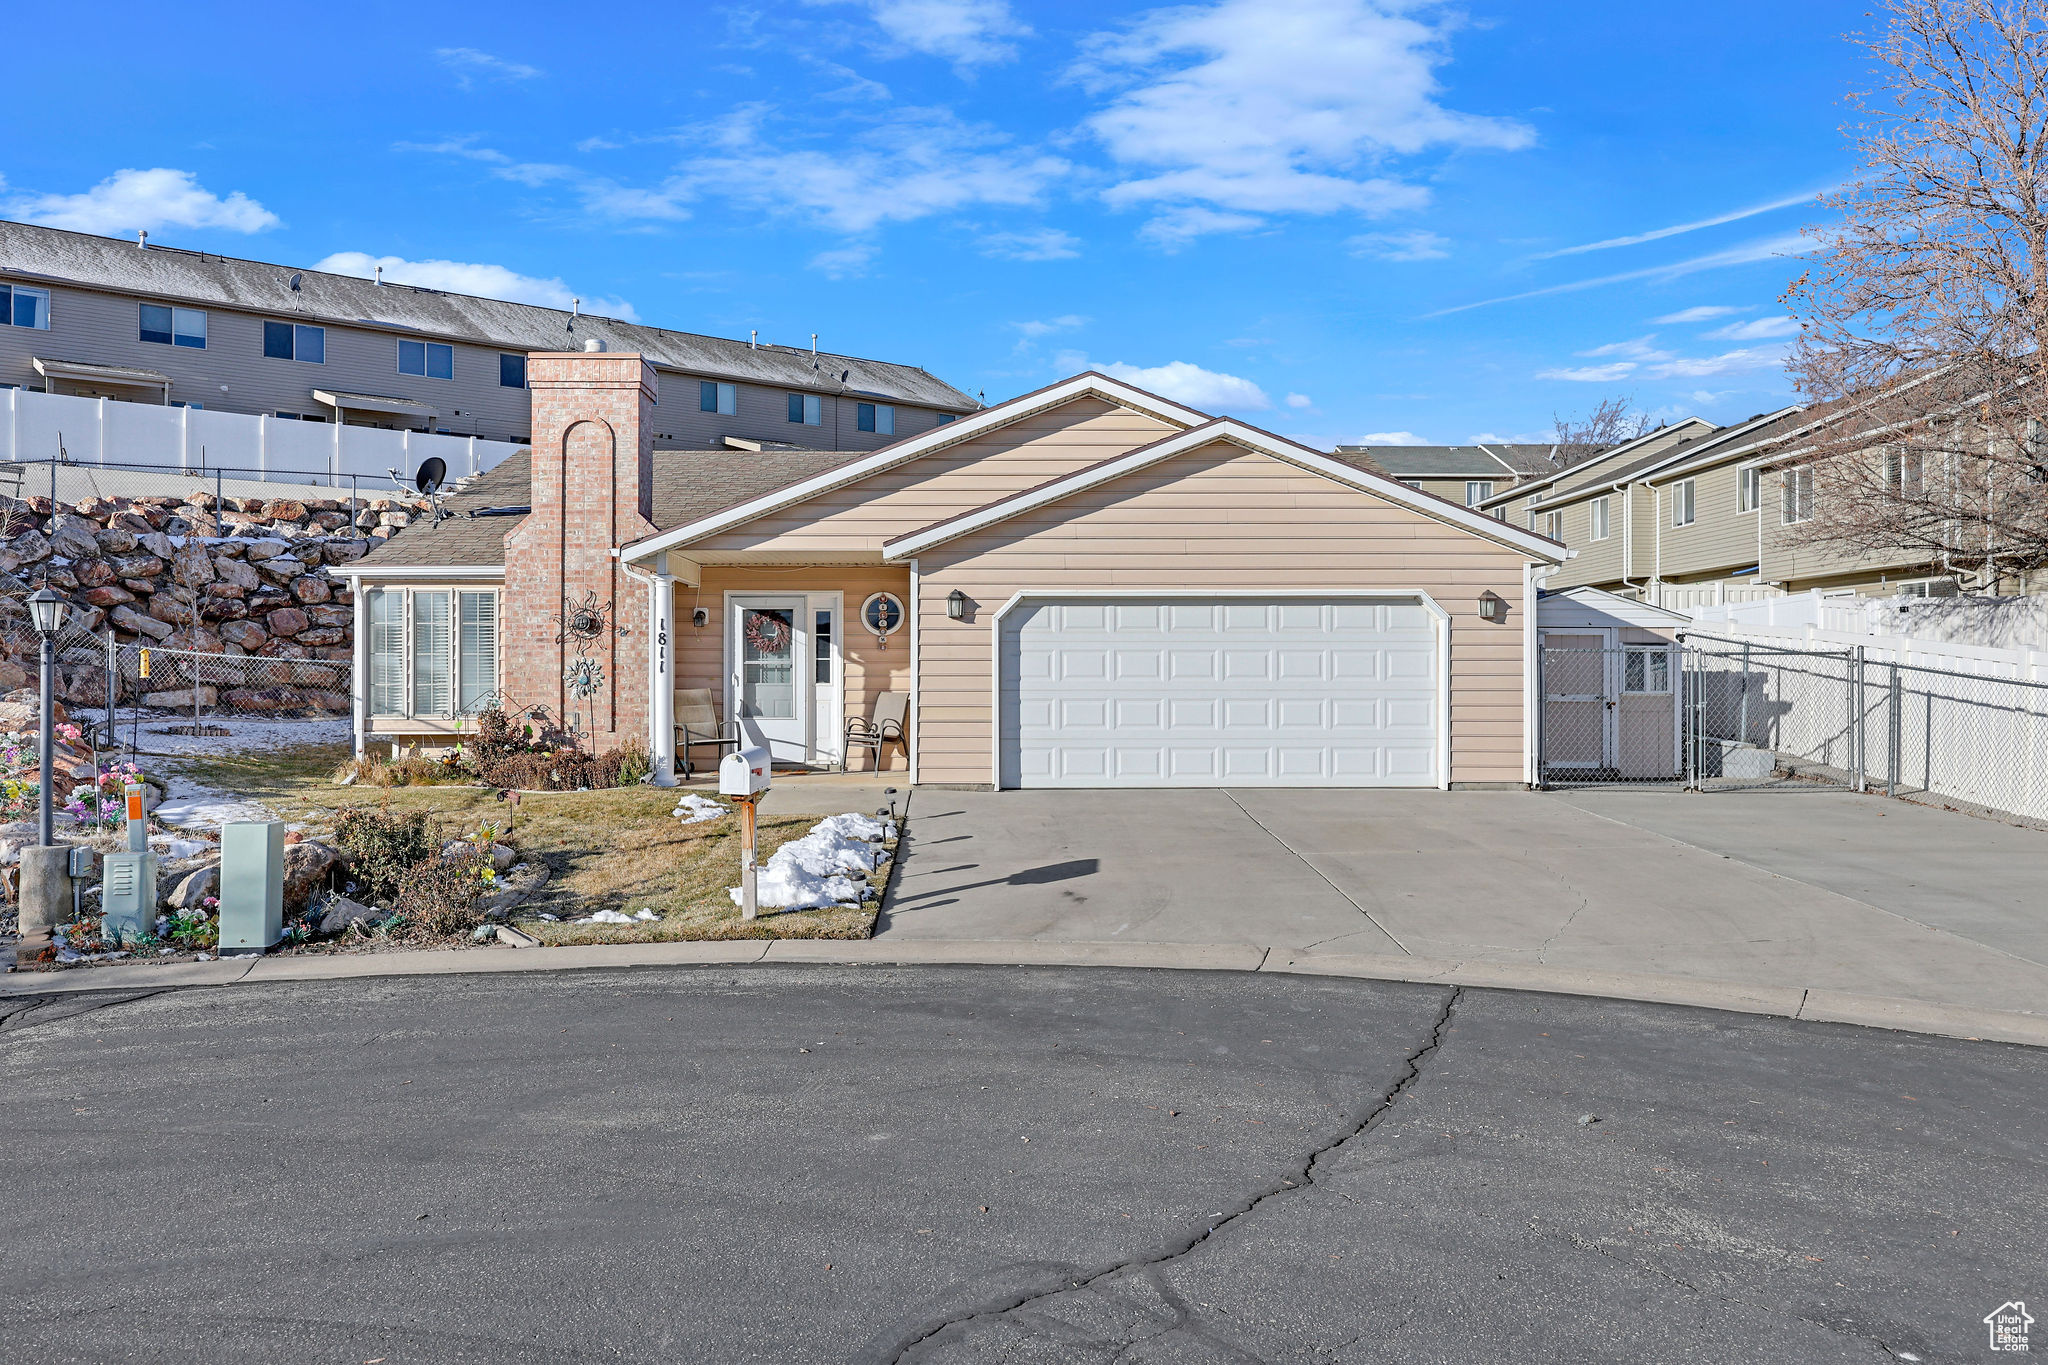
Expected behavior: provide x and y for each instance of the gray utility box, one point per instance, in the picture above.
(128, 895)
(251, 887)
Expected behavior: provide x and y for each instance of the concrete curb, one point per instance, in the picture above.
(1788, 1002)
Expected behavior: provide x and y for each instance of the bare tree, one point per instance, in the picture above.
(1612, 421)
(1924, 313)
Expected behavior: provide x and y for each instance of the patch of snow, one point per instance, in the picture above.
(693, 809)
(209, 810)
(244, 735)
(613, 917)
(827, 867)
(176, 849)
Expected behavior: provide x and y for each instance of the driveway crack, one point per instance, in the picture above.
(1296, 1178)
(1349, 898)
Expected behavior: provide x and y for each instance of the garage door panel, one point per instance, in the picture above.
(1205, 693)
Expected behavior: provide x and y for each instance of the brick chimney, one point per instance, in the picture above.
(593, 476)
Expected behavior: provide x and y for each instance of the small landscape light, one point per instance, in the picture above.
(956, 605)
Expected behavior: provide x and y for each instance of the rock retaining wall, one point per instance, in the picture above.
(249, 577)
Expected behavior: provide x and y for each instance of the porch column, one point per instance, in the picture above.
(661, 679)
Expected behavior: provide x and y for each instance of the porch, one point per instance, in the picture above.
(792, 651)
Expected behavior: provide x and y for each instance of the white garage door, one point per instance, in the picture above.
(1181, 692)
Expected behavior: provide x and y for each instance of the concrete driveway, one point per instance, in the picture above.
(1806, 888)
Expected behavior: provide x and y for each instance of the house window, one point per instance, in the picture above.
(1553, 526)
(1798, 495)
(876, 417)
(723, 399)
(1750, 483)
(1684, 502)
(21, 306)
(805, 408)
(821, 644)
(1904, 472)
(1477, 491)
(169, 326)
(429, 359)
(1598, 517)
(294, 341)
(511, 371)
(477, 666)
(1647, 670)
(433, 652)
(946, 417)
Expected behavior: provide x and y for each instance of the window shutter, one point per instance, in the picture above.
(479, 662)
(387, 653)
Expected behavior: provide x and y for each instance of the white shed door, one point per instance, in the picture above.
(1190, 692)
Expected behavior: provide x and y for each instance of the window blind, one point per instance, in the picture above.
(387, 653)
(479, 645)
(431, 663)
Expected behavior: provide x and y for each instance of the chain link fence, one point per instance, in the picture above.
(1763, 712)
(1610, 714)
(155, 695)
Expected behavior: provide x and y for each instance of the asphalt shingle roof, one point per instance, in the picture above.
(688, 484)
(1489, 461)
(59, 256)
(1672, 458)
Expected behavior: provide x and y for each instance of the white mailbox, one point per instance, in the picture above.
(743, 772)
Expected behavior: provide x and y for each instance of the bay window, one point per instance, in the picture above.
(433, 651)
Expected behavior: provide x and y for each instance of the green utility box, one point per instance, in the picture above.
(251, 887)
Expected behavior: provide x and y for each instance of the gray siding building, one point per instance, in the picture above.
(102, 317)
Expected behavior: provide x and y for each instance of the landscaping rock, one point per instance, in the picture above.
(334, 913)
(180, 699)
(310, 590)
(192, 567)
(286, 621)
(194, 887)
(238, 574)
(12, 675)
(72, 544)
(306, 869)
(115, 540)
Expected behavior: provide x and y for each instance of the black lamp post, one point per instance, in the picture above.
(48, 610)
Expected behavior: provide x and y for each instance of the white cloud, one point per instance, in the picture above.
(1044, 244)
(841, 262)
(1210, 390)
(464, 277)
(1300, 400)
(1391, 438)
(1591, 374)
(1756, 329)
(129, 200)
(1706, 312)
(1253, 109)
(602, 197)
(1658, 233)
(1788, 245)
(1636, 348)
(1400, 246)
(908, 165)
(1038, 327)
(963, 32)
(469, 64)
(1175, 228)
(1728, 362)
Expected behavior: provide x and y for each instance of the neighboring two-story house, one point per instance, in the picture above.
(105, 318)
(1467, 475)
(1703, 520)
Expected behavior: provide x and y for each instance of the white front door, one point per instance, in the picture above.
(771, 676)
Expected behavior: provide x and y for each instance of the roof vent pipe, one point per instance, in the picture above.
(575, 308)
(754, 339)
(593, 343)
(142, 237)
(814, 345)
(380, 274)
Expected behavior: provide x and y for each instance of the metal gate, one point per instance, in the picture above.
(1611, 713)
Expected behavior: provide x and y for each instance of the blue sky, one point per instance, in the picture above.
(1341, 220)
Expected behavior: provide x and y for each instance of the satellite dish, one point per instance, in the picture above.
(295, 281)
(432, 471)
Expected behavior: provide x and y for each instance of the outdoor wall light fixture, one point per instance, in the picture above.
(700, 617)
(956, 605)
(1492, 607)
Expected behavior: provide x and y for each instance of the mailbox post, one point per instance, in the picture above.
(744, 776)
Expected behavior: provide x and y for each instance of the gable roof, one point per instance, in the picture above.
(1480, 460)
(1087, 384)
(1720, 445)
(58, 256)
(1238, 433)
(1531, 486)
(688, 485)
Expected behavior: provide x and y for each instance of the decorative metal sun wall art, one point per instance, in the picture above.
(583, 622)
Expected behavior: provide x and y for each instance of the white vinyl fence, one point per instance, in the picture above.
(107, 431)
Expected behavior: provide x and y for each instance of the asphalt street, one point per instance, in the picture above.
(793, 1164)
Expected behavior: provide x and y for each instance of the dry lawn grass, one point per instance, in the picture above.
(617, 850)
